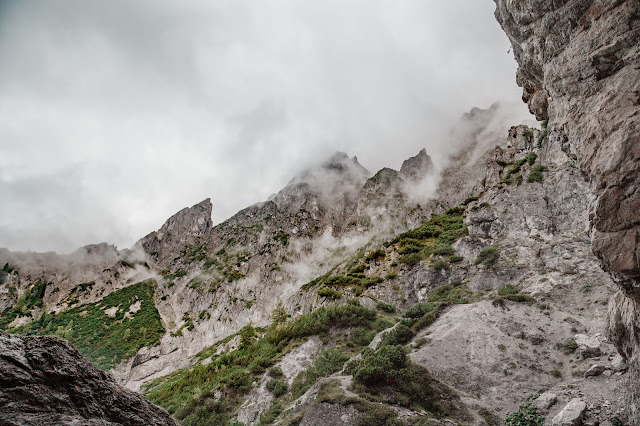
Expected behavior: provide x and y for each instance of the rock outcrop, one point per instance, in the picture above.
(184, 227)
(44, 381)
(580, 70)
(579, 67)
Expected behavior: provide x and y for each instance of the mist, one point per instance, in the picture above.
(115, 115)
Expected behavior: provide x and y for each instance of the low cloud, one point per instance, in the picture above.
(118, 114)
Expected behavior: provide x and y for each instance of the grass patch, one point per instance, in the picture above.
(508, 289)
(31, 299)
(106, 340)
(527, 415)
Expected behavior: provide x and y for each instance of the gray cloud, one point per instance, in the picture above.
(117, 114)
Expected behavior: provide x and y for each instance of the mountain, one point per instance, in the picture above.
(501, 285)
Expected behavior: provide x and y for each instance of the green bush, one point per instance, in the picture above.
(328, 362)
(400, 335)
(488, 256)
(508, 289)
(536, 174)
(276, 372)
(448, 293)
(329, 293)
(277, 387)
(374, 255)
(470, 200)
(531, 158)
(569, 346)
(419, 310)
(440, 264)
(380, 366)
(527, 415)
(385, 307)
(411, 259)
(387, 370)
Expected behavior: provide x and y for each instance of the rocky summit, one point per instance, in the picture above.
(500, 287)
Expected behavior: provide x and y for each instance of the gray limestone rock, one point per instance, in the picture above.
(595, 370)
(571, 415)
(545, 401)
(44, 380)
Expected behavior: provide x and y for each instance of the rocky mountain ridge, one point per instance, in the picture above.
(348, 298)
(497, 267)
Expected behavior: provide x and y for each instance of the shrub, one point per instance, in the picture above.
(329, 293)
(531, 158)
(385, 307)
(276, 372)
(507, 289)
(455, 259)
(374, 255)
(400, 335)
(380, 366)
(569, 346)
(527, 415)
(388, 371)
(470, 200)
(277, 387)
(443, 249)
(488, 256)
(440, 265)
(325, 364)
(536, 174)
(411, 259)
(418, 310)
(449, 293)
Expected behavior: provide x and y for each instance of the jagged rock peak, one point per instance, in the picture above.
(182, 228)
(45, 380)
(338, 167)
(194, 220)
(417, 167)
(100, 249)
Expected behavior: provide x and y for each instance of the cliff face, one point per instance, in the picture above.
(44, 380)
(579, 67)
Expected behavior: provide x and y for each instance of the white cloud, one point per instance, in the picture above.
(117, 114)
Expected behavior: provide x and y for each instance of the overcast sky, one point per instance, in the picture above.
(116, 114)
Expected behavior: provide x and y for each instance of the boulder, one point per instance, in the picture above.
(571, 415)
(595, 370)
(545, 401)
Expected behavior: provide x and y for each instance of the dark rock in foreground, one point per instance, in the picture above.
(45, 381)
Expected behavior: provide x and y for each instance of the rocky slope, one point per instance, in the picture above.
(468, 303)
(207, 281)
(580, 70)
(45, 381)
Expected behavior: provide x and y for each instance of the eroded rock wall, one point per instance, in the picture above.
(44, 380)
(579, 67)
